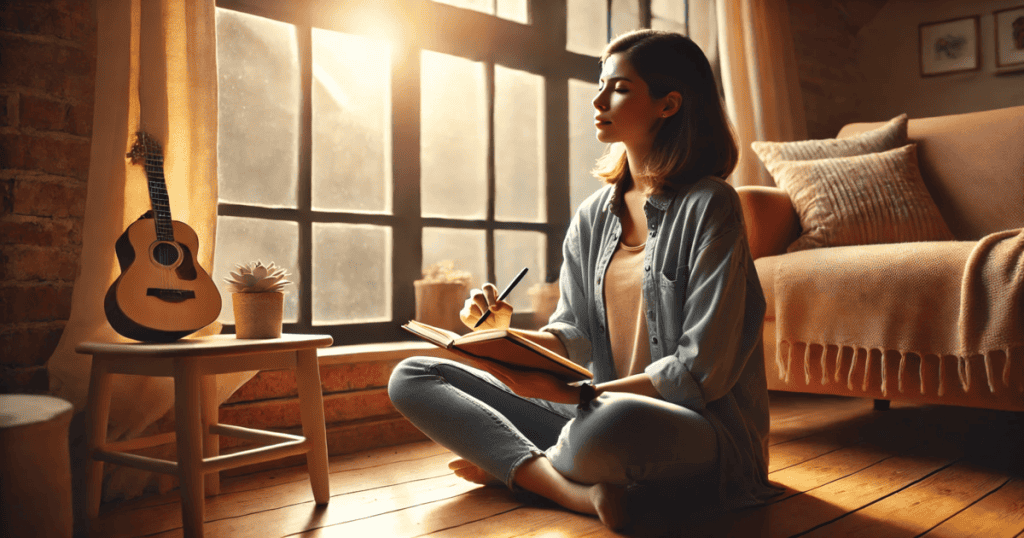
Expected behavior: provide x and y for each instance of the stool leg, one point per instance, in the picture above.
(98, 414)
(311, 405)
(211, 442)
(188, 424)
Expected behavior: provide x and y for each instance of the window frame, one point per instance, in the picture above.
(538, 48)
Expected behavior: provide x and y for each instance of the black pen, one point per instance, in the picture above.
(508, 289)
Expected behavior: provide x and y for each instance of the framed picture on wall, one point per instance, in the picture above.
(1009, 37)
(949, 46)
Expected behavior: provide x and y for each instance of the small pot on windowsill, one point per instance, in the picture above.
(258, 315)
(258, 300)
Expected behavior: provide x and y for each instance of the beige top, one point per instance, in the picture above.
(627, 326)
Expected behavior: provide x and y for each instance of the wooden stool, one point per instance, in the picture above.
(193, 363)
(35, 466)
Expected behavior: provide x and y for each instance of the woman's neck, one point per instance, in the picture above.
(635, 157)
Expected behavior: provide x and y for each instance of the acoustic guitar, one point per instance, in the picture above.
(163, 294)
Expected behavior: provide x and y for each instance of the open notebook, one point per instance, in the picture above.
(504, 346)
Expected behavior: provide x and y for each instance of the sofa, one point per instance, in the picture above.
(936, 318)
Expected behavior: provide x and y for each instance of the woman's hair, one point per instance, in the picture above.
(694, 142)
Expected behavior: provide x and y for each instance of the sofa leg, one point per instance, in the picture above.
(881, 405)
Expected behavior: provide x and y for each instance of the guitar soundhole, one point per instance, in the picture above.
(165, 254)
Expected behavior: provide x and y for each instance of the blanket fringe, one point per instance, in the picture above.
(1011, 376)
(807, 363)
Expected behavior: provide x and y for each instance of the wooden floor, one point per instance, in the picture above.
(914, 470)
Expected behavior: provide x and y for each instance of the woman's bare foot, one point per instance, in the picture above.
(610, 503)
(468, 471)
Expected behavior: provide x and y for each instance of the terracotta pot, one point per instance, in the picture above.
(439, 303)
(258, 315)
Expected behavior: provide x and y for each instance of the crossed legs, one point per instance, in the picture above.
(590, 457)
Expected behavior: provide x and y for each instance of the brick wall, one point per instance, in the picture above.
(825, 39)
(47, 73)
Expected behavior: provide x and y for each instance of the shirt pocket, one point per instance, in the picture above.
(672, 295)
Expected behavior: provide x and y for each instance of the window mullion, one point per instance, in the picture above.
(304, 34)
(489, 249)
(407, 241)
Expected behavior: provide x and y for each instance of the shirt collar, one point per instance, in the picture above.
(660, 201)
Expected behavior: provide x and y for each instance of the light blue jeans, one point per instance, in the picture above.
(621, 439)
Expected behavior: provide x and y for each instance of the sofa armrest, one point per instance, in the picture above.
(771, 222)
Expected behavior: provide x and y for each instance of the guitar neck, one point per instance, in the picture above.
(158, 197)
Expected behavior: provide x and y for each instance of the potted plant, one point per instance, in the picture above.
(257, 299)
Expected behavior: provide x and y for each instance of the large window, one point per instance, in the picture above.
(362, 141)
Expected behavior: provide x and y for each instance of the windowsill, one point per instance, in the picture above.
(382, 352)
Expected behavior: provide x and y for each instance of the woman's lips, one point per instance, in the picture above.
(602, 123)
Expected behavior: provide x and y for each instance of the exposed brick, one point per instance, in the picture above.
(284, 413)
(38, 231)
(80, 119)
(49, 198)
(334, 378)
(23, 263)
(357, 375)
(30, 17)
(43, 114)
(33, 380)
(29, 345)
(52, 67)
(58, 156)
(6, 196)
(40, 302)
(6, 110)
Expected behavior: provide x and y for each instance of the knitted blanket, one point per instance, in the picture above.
(947, 299)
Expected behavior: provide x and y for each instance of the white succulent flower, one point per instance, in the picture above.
(254, 277)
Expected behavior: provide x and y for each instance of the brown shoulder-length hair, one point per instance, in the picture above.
(694, 142)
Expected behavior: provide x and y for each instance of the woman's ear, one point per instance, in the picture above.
(672, 101)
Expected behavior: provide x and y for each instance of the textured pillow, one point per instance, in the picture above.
(861, 200)
(889, 136)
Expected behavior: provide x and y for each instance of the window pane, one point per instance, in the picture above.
(243, 240)
(514, 250)
(351, 162)
(702, 25)
(258, 100)
(483, 6)
(351, 273)
(586, 29)
(514, 10)
(519, 146)
(584, 148)
(454, 136)
(668, 15)
(466, 248)
(625, 16)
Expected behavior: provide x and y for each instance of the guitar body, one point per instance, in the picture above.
(162, 294)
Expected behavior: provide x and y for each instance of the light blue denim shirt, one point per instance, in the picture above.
(705, 308)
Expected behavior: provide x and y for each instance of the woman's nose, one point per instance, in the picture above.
(598, 103)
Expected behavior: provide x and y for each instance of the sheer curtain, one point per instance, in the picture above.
(760, 78)
(156, 71)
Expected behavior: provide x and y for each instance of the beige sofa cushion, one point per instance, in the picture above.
(973, 165)
(890, 135)
(861, 200)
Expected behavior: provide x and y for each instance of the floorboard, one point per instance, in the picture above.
(848, 470)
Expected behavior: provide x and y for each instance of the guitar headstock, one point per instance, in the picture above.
(145, 145)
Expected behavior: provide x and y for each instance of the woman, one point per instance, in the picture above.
(659, 299)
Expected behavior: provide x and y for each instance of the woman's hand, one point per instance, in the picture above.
(482, 300)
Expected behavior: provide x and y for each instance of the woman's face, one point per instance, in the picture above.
(624, 111)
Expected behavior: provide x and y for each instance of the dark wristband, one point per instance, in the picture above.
(587, 393)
